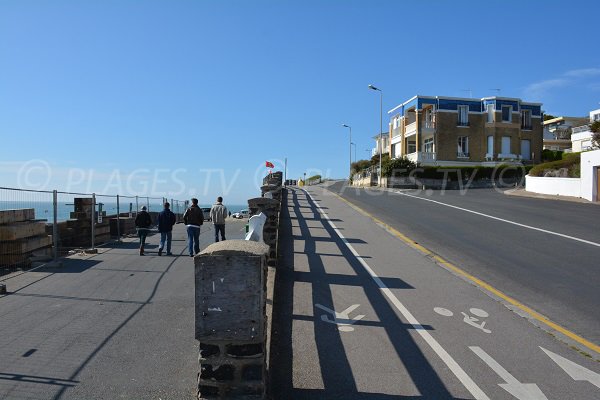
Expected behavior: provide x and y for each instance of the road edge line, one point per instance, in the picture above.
(474, 280)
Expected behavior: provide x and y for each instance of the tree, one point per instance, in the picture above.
(375, 159)
(360, 165)
(563, 133)
(595, 128)
(397, 167)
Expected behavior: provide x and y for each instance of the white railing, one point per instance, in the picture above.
(429, 125)
(582, 128)
(421, 156)
(411, 129)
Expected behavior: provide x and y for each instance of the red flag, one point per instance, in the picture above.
(269, 164)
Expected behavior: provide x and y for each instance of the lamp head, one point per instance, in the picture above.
(373, 88)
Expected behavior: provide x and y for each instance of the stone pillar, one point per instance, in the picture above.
(273, 189)
(271, 208)
(230, 284)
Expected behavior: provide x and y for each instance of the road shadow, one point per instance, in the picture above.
(337, 375)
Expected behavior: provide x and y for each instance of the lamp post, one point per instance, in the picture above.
(380, 129)
(354, 144)
(349, 127)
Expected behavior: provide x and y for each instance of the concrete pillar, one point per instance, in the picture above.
(230, 290)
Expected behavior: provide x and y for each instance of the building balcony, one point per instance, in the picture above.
(421, 156)
(410, 129)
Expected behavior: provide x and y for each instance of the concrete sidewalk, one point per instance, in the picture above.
(105, 326)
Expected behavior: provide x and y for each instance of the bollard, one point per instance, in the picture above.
(230, 279)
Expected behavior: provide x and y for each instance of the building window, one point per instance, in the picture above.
(505, 144)
(429, 118)
(526, 119)
(526, 149)
(490, 113)
(506, 113)
(490, 146)
(428, 145)
(463, 147)
(596, 117)
(412, 146)
(463, 115)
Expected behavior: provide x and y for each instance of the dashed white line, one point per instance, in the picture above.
(456, 369)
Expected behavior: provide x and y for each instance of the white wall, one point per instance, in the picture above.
(589, 160)
(554, 186)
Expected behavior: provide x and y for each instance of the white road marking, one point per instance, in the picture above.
(502, 219)
(473, 322)
(575, 371)
(522, 391)
(462, 376)
(342, 319)
(443, 311)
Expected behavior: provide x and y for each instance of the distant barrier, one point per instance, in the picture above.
(38, 226)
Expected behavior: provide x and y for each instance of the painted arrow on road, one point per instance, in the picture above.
(575, 371)
(522, 391)
(342, 319)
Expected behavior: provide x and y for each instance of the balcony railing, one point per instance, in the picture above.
(421, 156)
(429, 125)
(411, 129)
(462, 154)
(582, 128)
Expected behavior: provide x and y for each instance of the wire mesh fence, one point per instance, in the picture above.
(39, 226)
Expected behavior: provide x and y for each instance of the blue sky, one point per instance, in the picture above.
(181, 98)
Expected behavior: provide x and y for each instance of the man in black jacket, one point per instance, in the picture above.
(166, 220)
(193, 219)
(143, 222)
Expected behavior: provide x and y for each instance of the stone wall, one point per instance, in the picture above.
(233, 280)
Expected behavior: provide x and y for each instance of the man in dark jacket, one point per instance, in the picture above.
(166, 220)
(143, 222)
(193, 219)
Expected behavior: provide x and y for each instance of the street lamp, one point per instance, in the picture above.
(349, 127)
(354, 144)
(380, 129)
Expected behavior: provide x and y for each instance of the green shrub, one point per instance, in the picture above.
(397, 167)
(552, 155)
(571, 161)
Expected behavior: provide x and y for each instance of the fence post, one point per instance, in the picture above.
(93, 220)
(118, 221)
(55, 224)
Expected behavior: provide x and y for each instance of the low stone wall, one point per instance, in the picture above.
(233, 280)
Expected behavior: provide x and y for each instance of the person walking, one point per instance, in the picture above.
(218, 213)
(193, 219)
(143, 222)
(166, 220)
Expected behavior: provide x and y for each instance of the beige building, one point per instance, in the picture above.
(463, 131)
(557, 132)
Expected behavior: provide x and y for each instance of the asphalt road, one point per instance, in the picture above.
(108, 326)
(360, 314)
(557, 276)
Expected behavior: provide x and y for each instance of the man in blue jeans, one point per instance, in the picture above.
(166, 220)
(193, 219)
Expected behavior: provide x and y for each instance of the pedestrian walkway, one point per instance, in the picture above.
(359, 314)
(105, 326)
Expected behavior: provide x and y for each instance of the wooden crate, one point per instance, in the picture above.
(19, 215)
(25, 245)
(19, 230)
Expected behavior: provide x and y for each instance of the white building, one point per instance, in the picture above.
(581, 138)
(556, 132)
(386, 144)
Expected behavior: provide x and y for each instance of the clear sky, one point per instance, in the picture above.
(181, 98)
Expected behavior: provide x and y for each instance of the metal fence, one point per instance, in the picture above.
(38, 226)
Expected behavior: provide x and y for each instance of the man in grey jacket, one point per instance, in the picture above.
(218, 213)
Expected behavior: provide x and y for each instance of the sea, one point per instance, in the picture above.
(44, 209)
